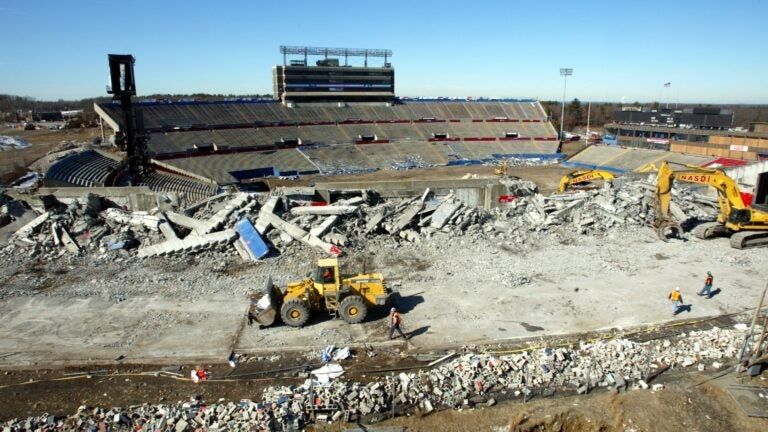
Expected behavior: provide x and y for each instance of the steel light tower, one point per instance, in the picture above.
(565, 73)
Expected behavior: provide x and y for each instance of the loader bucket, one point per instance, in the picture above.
(264, 305)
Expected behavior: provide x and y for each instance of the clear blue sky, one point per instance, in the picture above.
(710, 51)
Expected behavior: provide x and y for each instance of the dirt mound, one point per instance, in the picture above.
(567, 420)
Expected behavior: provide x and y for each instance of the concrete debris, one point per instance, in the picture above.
(472, 379)
(286, 220)
(324, 210)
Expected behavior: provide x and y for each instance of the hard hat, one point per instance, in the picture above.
(392, 310)
(677, 289)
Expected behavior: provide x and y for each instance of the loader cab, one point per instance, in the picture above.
(326, 275)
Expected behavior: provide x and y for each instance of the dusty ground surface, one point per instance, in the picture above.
(470, 290)
(13, 163)
(690, 400)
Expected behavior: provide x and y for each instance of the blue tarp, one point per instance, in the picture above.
(252, 238)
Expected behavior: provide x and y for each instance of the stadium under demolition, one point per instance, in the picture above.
(155, 254)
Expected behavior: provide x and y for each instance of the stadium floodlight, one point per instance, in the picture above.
(565, 73)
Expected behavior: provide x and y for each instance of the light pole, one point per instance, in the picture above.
(565, 73)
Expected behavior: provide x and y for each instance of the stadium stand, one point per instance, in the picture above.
(621, 159)
(233, 141)
(88, 168)
(193, 190)
(166, 115)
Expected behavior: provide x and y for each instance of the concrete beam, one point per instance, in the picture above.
(299, 234)
(324, 210)
(323, 228)
(30, 227)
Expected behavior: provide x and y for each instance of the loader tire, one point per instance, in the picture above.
(353, 309)
(294, 313)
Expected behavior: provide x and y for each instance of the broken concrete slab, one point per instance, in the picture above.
(217, 220)
(299, 234)
(406, 217)
(189, 244)
(444, 212)
(30, 227)
(185, 221)
(269, 207)
(139, 218)
(324, 210)
(323, 228)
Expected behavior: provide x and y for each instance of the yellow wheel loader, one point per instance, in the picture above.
(348, 297)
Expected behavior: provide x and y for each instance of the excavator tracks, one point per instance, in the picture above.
(708, 230)
(749, 239)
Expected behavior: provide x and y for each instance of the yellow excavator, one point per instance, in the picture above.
(503, 169)
(348, 297)
(746, 226)
(583, 176)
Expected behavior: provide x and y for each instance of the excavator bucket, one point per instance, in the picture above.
(264, 304)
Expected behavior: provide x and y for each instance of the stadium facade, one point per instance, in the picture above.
(698, 131)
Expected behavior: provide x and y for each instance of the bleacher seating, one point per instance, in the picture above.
(226, 141)
(193, 190)
(621, 159)
(87, 169)
(213, 113)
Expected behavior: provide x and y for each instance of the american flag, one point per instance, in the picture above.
(667, 84)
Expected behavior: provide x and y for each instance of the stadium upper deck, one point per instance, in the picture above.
(234, 141)
(164, 116)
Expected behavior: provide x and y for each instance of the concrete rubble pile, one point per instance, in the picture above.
(410, 162)
(474, 379)
(93, 225)
(629, 204)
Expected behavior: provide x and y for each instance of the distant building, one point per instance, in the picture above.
(701, 131)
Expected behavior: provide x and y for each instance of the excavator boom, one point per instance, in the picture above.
(751, 224)
(583, 176)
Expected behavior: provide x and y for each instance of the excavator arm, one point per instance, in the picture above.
(734, 215)
(582, 176)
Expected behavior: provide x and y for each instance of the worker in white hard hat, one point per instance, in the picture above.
(707, 290)
(394, 324)
(677, 300)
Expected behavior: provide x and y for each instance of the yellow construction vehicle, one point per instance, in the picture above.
(348, 297)
(746, 226)
(503, 169)
(584, 176)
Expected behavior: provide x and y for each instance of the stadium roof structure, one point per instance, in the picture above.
(325, 52)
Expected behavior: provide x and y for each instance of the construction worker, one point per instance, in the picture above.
(394, 324)
(707, 290)
(328, 275)
(199, 375)
(677, 300)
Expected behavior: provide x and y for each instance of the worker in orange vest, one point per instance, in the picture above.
(199, 374)
(677, 300)
(707, 290)
(394, 324)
